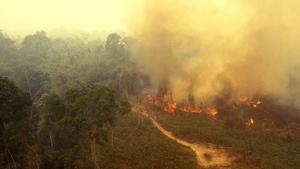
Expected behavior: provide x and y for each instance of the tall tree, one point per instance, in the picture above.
(85, 111)
(14, 117)
(95, 107)
(114, 45)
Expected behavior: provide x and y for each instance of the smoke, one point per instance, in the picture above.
(201, 47)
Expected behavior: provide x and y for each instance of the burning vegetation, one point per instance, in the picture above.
(257, 113)
(167, 104)
(235, 50)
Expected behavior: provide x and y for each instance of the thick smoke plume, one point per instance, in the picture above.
(208, 47)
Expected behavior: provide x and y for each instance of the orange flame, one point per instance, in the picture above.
(243, 99)
(250, 122)
(190, 109)
(170, 106)
(212, 111)
(258, 102)
(250, 102)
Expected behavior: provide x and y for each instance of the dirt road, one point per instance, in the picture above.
(207, 155)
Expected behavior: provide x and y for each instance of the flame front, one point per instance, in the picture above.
(250, 102)
(169, 105)
(190, 109)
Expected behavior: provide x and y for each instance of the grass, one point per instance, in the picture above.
(137, 144)
(254, 149)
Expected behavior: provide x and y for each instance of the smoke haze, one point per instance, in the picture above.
(19, 17)
(202, 47)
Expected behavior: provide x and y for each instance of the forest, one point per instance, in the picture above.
(58, 94)
(138, 84)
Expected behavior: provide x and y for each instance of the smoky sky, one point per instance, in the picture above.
(23, 17)
(205, 47)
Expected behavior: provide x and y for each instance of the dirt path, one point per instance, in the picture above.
(207, 156)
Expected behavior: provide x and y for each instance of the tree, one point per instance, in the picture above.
(85, 112)
(14, 117)
(114, 45)
(35, 48)
(93, 108)
(53, 112)
(7, 47)
(62, 121)
(8, 52)
(27, 68)
(32, 80)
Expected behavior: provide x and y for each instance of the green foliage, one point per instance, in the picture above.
(137, 144)
(125, 107)
(35, 48)
(113, 45)
(79, 115)
(92, 105)
(7, 48)
(14, 121)
(39, 64)
(65, 79)
(14, 104)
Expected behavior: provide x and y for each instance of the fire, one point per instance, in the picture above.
(258, 102)
(249, 102)
(168, 105)
(250, 122)
(243, 99)
(212, 111)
